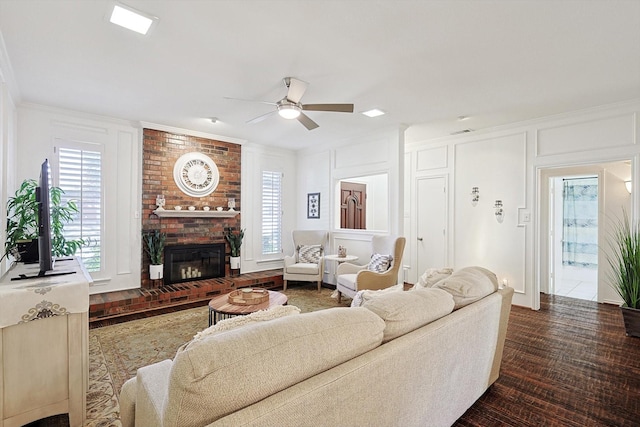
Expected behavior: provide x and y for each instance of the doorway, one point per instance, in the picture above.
(574, 210)
(613, 198)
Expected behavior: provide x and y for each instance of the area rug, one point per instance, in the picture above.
(117, 351)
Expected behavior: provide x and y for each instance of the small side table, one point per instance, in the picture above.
(339, 260)
(220, 307)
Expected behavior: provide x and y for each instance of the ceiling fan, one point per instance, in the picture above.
(290, 107)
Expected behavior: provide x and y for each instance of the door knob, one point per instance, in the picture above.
(419, 239)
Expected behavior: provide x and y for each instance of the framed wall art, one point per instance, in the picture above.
(313, 205)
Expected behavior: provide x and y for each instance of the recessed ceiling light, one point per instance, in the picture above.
(131, 19)
(374, 113)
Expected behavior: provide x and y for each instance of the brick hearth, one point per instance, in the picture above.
(112, 305)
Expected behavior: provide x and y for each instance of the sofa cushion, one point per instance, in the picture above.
(309, 253)
(303, 268)
(468, 285)
(225, 372)
(404, 312)
(238, 321)
(380, 263)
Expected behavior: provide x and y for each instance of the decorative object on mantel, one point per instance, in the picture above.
(195, 214)
(625, 267)
(231, 204)
(178, 208)
(248, 296)
(196, 174)
(160, 201)
(313, 205)
(205, 208)
(235, 241)
(154, 247)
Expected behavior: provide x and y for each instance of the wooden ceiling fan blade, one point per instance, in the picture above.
(339, 108)
(262, 117)
(307, 122)
(296, 87)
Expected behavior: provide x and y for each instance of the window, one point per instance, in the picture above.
(271, 212)
(80, 177)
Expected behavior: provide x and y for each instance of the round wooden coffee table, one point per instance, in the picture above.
(220, 307)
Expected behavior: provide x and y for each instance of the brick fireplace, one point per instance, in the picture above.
(160, 152)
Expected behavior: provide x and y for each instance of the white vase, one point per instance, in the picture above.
(234, 262)
(156, 271)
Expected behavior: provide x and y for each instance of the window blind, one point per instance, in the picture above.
(271, 212)
(80, 177)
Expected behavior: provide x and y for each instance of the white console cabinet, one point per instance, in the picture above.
(44, 344)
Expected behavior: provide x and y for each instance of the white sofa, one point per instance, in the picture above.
(399, 360)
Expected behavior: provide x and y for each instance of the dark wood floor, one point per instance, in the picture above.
(569, 364)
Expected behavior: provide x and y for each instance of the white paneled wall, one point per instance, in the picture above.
(506, 164)
(40, 128)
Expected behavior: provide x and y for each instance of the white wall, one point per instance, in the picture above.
(8, 124)
(40, 129)
(255, 159)
(320, 170)
(505, 164)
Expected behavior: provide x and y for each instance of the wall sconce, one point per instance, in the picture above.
(499, 211)
(628, 185)
(475, 196)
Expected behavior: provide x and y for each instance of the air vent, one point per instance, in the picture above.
(461, 131)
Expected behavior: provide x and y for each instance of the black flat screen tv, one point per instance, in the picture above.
(43, 202)
(44, 220)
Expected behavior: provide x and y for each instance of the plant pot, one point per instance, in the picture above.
(631, 318)
(156, 271)
(234, 262)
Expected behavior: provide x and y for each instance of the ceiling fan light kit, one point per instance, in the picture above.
(290, 107)
(288, 110)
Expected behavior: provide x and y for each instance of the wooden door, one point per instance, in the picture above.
(353, 206)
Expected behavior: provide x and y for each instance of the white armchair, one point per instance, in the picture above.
(307, 262)
(378, 274)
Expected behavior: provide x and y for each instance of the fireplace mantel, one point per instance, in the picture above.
(185, 213)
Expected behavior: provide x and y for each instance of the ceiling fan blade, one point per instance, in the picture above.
(261, 117)
(307, 122)
(250, 100)
(339, 108)
(296, 88)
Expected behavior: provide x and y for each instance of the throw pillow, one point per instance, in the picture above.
(468, 285)
(239, 321)
(365, 295)
(380, 263)
(432, 276)
(310, 254)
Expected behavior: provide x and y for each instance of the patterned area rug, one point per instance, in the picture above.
(117, 351)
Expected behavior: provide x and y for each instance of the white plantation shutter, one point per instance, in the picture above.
(271, 212)
(80, 177)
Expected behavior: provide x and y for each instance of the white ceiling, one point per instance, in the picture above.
(424, 62)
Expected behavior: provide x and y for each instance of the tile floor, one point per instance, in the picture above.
(581, 289)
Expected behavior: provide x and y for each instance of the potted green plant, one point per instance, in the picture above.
(22, 223)
(235, 241)
(625, 264)
(154, 246)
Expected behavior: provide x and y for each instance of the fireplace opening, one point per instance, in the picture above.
(183, 263)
